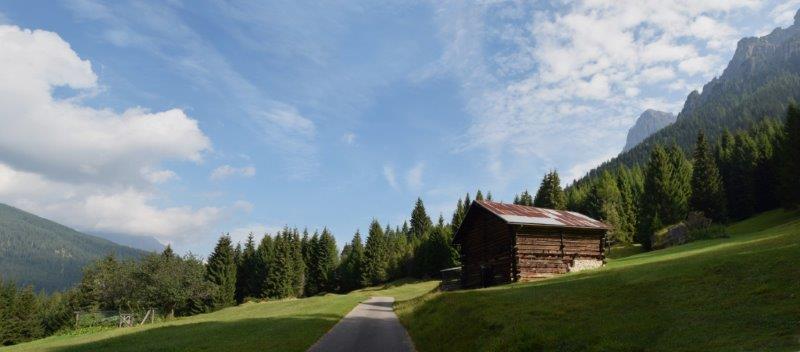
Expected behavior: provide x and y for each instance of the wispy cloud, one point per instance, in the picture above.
(389, 175)
(567, 82)
(225, 171)
(160, 31)
(414, 176)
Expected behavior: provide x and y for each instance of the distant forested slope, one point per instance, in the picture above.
(48, 255)
(761, 79)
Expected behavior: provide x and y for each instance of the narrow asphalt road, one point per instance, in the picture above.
(370, 326)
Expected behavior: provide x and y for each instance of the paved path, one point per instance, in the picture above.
(370, 326)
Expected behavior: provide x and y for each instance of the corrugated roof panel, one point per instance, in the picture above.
(516, 219)
(520, 214)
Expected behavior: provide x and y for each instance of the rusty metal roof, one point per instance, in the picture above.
(525, 215)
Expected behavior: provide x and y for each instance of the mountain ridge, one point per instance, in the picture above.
(48, 255)
(761, 79)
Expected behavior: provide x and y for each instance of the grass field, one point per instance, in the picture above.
(288, 325)
(736, 294)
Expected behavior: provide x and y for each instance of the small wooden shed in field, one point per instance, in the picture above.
(501, 243)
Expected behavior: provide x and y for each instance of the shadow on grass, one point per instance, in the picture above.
(291, 333)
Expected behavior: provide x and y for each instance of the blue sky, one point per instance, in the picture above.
(184, 120)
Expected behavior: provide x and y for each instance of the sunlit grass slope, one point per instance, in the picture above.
(288, 325)
(736, 294)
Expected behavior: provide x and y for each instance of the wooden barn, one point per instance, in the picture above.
(501, 243)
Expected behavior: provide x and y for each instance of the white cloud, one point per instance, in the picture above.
(657, 74)
(159, 176)
(225, 171)
(90, 168)
(66, 140)
(700, 64)
(414, 177)
(158, 29)
(784, 13)
(349, 138)
(92, 207)
(569, 81)
(389, 175)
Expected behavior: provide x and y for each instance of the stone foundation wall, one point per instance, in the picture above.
(585, 264)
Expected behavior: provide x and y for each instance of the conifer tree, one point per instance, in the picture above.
(247, 278)
(375, 256)
(458, 215)
(352, 264)
(489, 196)
(707, 191)
(312, 281)
(524, 199)
(326, 260)
(479, 195)
(789, 170)
(656, 180)
(278, 283)
(264, 254)
(741, 195)
(420, 221)
(679, 188)
(298, 264)
(221, 271)
(550, 194)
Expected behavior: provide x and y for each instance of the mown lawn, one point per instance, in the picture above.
(736, 294)
(287, 325)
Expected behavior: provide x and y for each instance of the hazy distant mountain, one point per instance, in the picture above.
(760, 81)
(147, 243)
(649, 122)
(48, 255)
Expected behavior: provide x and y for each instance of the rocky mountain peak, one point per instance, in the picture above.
(649, 122)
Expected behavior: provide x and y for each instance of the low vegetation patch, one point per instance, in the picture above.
(281, 325)
(740, 293)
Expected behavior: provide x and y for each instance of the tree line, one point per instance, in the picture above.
(744, 173)
(286, 264)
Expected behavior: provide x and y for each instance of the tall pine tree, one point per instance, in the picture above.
(789, 148)
(221, 271)
(550, 194)
(374, 270)
(420, 221)
(707, 190)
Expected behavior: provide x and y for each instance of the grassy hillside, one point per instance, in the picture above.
(735, 294)
(287, 325)
(47, 255)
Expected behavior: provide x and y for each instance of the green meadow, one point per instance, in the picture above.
(735, 294)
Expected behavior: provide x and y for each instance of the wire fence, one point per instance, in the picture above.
(97, 318)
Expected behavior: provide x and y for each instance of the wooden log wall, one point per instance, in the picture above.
(488, 242)
(544, 252)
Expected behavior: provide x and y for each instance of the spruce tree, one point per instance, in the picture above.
(264, 254)
(656, 180)
(550, 195)
(479, 195)
(247, 281)
(375, 256)
(789, 149)
(221, 271)
(298, 264)
(458, 215)
(420, 221)
(278, 283)
(524, 199)
(707, 191)
(326, 261)
(741, 195)
(679, 188)
(352, 264)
